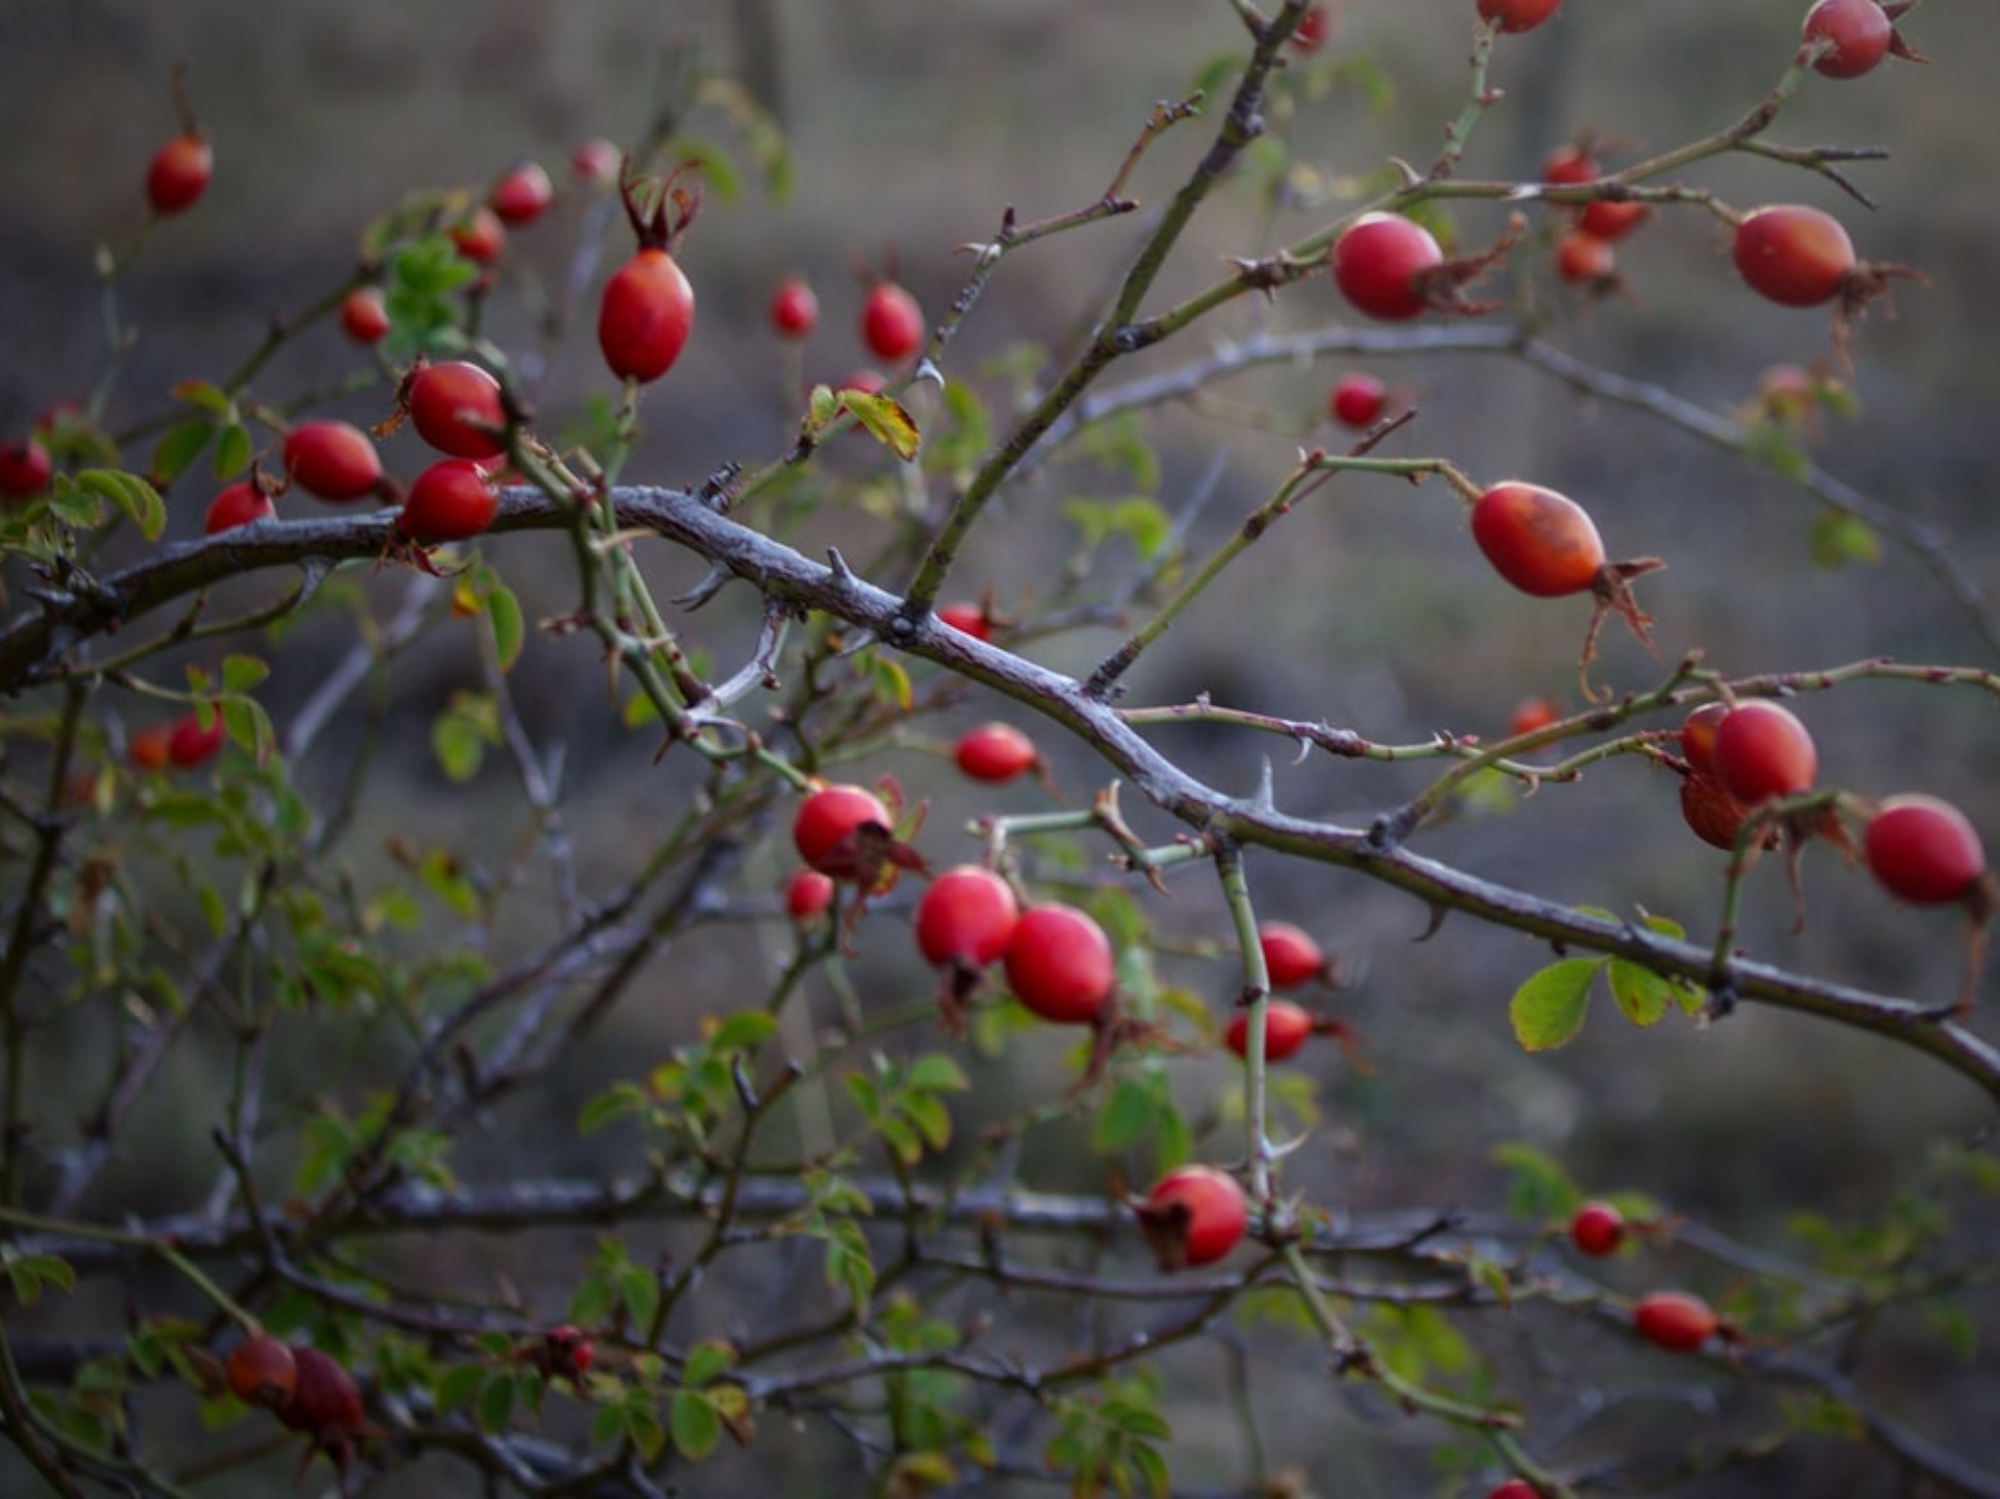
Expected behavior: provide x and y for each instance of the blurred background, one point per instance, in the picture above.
(911, 127)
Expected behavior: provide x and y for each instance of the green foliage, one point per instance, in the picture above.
(1113, 1440)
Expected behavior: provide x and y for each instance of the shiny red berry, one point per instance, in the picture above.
(1540, 541)
(966, 918)
(645, 316)
(1924, 850)
(452, 500)
(1854, 35)
(996, 752)
(480, 236)
(1059, 964)
(25, 469)
(191, 745)
(1357, 400)
(969, 619)
(1377, 263)
(179, 173)
(892, 324)
(1287, 1027)
(794, 310)
(1597, 1228)
(832, 825)
(1194, 1216)
(1518, 15)
(1762, 752)
(1796, 256)
(808, 894)
(333, 460)
(1291, 957)
(237, 505)
(456, 408)
(1675, 1320)
(522, 195)
(364, 315)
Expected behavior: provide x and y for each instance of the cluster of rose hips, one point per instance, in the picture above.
(1056, 958)
(1391, 268)
(1739, 759)
(891, 324)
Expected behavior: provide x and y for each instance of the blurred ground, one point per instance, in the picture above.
(912, 126)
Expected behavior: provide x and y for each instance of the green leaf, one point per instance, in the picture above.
(177, 450)
(131, 494)
(1538, 1186)
(640, 1291)
(707, 1360)
(1126, 1118)
(243, 673)
(232, 450)
(592, 1302)
(496, 1403)
(1844, 540)
(695, 1425)
(204, 397)
(1139, 519)
(936, 1073)
(1548, 1009)
(619, 1101)
(744, 1031)
(1640, 993)
(31, 1274)
(461, 734)
(503, 615)
(715, 168)
(456, 1387)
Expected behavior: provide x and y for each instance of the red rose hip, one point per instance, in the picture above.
(1059, 964)
(1194, 1216)
(456, 408)
(1763, 752)
(966, 918)
(1924, 850)
(333, 460)
(645, 316)
(1377, 262)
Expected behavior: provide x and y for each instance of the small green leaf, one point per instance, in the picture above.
(1126, 1118)
(936, 1073)
(696, 1427)
(1844, 541)
(707, 1360)
(243, 673)
(177, 450)
(496, 1403)
(744, 1031)
(205, 397)
(619, 1101)
(232, 450)
(1642, 994)
(503, 615)
(457, 1386)
(1548, 1009)
(131, 494)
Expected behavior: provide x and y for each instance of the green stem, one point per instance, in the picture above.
(1255, 1001)
(182, 1265)
(1115, 334)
